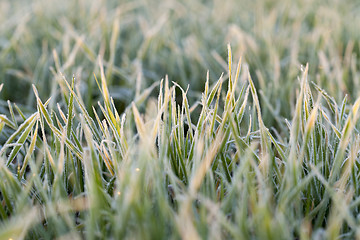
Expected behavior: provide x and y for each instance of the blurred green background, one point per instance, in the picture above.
(142, 41)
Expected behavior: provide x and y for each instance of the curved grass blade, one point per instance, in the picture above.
(21, 141)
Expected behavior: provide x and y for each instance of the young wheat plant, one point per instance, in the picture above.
(168, 168)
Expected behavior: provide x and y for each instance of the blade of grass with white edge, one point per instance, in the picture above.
(106, 96)
(292, 173)
(29, 151)
(236, 104)
(64, 162)
(11, 110)
(114, 130)
(340, 119)
(156, 126)
(232, 84)
(62, 114)
(70, 111)
(308, 101)
(59, 124)
(185, 105)
(179, 129)
(230, 66)
(86, 115)
(42, 107)
(277, 146)
(163, 101)
(23, 137)
(187, 112)
(97, 119)
(205, 101)
(241, 112)
(310, 117)
(5, 120)
(2, 125)
(105, 155)
(140, 126)
(336, 131)
(124, 144)
(264, 164)
(55, 130)
(216, 107)
(330, 100)
(209, 98)
(48, 159)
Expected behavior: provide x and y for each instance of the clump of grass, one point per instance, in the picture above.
(159, 174)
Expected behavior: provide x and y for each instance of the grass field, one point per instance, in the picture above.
(185, 119)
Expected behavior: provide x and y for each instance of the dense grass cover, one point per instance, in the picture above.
(267, 150)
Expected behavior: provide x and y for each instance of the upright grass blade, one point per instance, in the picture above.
(139, 124)
(88, 119)
(11, 110)
(292, 171)
(265, 164)
(94, 184)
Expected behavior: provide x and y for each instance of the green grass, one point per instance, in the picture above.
(268, 149)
